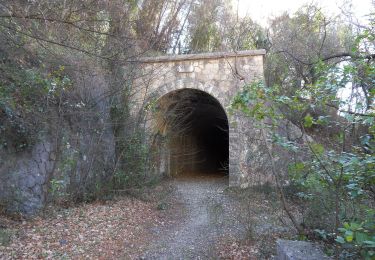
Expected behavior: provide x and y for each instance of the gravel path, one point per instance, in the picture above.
(205, 216)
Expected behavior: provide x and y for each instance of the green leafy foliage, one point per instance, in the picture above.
(308, 121)
(359, 236)
(334, 178)
(23, 94)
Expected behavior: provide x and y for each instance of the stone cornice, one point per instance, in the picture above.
(202, 56)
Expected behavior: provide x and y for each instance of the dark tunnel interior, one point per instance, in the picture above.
(198, 134)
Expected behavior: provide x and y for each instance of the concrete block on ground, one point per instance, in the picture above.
(298, 250)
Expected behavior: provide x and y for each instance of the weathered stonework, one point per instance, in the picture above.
(60, 163)
(24, 180)
(89, 154)
(222, 75)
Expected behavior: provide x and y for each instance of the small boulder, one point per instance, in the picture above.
(298, 250)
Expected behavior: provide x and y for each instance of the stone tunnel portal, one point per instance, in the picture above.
(195, 133)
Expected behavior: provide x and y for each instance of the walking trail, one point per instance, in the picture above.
(205, 216)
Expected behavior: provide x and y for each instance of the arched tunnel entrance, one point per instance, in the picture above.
(192, 126)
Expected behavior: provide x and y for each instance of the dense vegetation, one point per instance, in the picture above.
(333, 176)
(66, 73)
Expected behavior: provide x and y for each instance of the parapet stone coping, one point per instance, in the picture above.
(202, 56)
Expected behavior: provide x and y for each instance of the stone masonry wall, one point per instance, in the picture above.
(222, 75)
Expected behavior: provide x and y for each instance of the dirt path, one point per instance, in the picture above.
(204, 217)
(191, 218)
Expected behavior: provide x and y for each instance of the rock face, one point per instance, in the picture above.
(74, 154)
(24, 177)
(298, 250)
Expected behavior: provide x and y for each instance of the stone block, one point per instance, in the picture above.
(298, 250)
